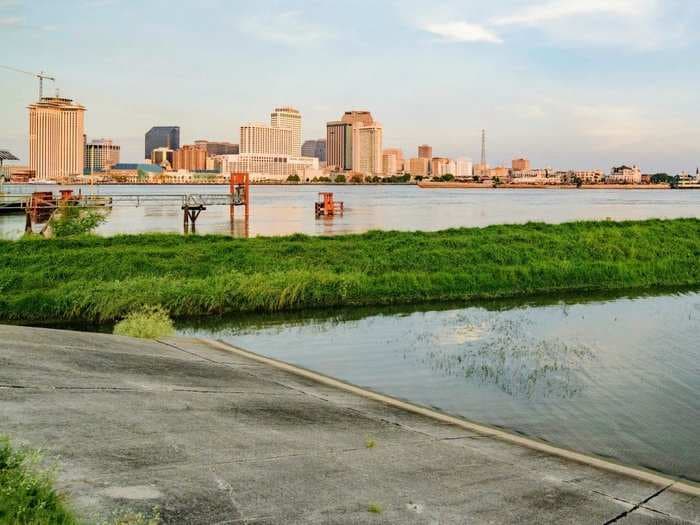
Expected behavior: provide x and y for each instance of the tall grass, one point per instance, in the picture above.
(27, 496)
(102, 279)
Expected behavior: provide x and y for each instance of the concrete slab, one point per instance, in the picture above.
(209, 436)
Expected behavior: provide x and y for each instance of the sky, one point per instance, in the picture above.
(570, 84)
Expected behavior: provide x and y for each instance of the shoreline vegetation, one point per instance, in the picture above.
(96, 279)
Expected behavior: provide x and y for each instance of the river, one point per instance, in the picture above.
(278, 210)
(618, 378)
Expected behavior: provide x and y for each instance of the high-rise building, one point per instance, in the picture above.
(100, 155)
(419, 167)
(217, 148)
(314, 148)
(521, 165)
(289, 118)
(425, 152)
(162, 137)
(56, 138)
(354, 143)
(261, 138)
(370, 138)
(190, 158)
(339, 145)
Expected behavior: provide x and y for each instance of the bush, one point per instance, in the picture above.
(148, 322)
(72, 221)
(27, 495)
(293, 178)
(340, 178)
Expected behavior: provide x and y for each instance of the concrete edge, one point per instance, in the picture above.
(642, 475)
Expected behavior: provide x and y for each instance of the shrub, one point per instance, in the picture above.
(148, 322)
(27, 495)
(340, 178)
(293, 178)
(72, 221)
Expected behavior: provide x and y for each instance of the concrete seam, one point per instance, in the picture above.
(501, 435)
(630, 511)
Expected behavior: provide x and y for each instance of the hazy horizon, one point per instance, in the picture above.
(580, 84)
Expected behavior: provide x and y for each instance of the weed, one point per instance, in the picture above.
(148, 322)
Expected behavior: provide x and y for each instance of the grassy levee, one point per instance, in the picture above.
(101, 279)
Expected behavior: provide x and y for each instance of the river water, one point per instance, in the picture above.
(278, 210)
(618, 378)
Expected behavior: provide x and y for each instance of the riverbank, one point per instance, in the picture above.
(102, 279)
(207, 433)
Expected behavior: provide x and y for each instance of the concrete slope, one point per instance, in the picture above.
(209, 436)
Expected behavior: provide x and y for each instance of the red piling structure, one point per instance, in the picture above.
(239, 188)
(326, 206)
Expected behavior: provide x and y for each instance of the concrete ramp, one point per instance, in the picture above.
(206, 435)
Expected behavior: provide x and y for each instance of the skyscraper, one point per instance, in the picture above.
(100, 155)
(56, 138)
(370, 138)
(345, 140)
(289, 118)
(261, 138)
(162, 137)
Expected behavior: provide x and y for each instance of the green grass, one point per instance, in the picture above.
(103, 279)
(148, 322)
(27, 496)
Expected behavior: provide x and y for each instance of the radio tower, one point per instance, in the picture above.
(483, 149)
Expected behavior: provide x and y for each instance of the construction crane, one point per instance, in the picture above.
(40, 75)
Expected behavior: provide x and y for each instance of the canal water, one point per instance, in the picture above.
(279, 210)
(618, 378)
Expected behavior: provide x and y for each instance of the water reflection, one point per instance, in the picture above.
(490, 349)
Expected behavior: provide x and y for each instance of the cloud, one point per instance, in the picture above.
(11, 21)
(462, 32)
(556, 10)
(288, 28)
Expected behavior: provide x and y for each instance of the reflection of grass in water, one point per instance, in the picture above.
(507, 356)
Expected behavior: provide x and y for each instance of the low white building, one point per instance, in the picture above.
(267, 167)
(464, 169)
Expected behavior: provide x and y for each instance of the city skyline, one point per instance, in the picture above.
(598, 96)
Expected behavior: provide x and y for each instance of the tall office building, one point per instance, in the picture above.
(339, 145)
(162, 137)
(370, 139)
(425, 151)
(314, 148)
(261, 138)
(56, 138)
(289, 118)
(345, 140)
(100, 155)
